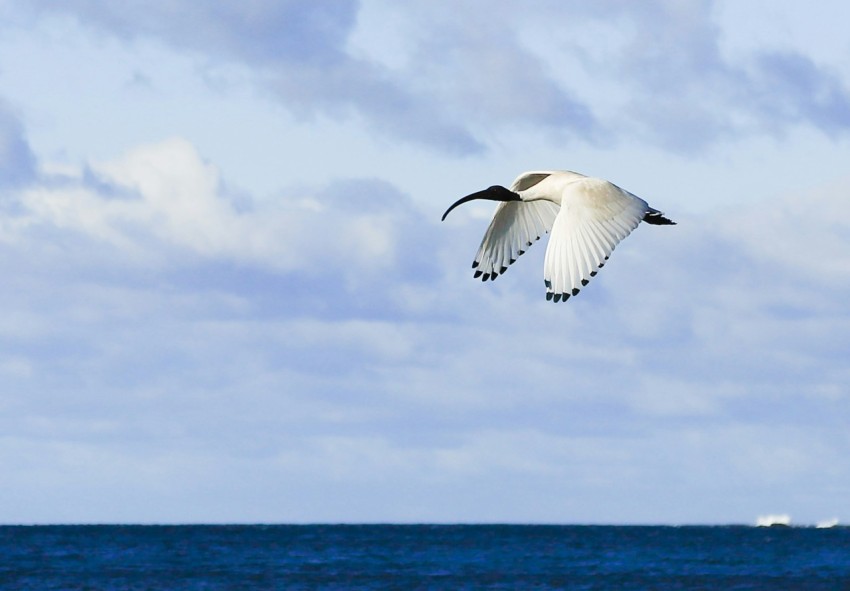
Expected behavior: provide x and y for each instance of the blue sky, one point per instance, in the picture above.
(228, 296)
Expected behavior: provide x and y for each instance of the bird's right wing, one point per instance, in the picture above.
(595, 216)
(514, 227)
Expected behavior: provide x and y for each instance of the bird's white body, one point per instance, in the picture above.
(587, 217)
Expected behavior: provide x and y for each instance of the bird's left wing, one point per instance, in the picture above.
(595, 216)
(514, 227)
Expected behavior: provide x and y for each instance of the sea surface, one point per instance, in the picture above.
(455, 557)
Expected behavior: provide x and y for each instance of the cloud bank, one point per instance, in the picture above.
(335, 338)
(455, 80)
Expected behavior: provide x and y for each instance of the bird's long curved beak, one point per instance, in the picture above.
(472, 197)
(494, 193)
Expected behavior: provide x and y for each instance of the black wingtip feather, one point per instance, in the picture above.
(557, 297)
(656, 218)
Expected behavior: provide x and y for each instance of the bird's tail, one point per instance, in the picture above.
(656, 218)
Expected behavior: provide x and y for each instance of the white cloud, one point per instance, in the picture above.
(161, 203)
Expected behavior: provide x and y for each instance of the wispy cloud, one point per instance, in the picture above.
(297, 50)
(589, 73)
(17, 162)
(684, 91)
(789, 87)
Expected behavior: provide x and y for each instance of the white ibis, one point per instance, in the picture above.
(587, 217)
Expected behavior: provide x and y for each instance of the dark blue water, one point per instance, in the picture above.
(460, 557)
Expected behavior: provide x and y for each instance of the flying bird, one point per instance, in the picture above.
(587, 218)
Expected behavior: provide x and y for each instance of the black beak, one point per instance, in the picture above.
(494, 193)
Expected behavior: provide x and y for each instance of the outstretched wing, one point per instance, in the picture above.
(514, 227)
(595, 216)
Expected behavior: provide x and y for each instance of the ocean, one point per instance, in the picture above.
(426, 557)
